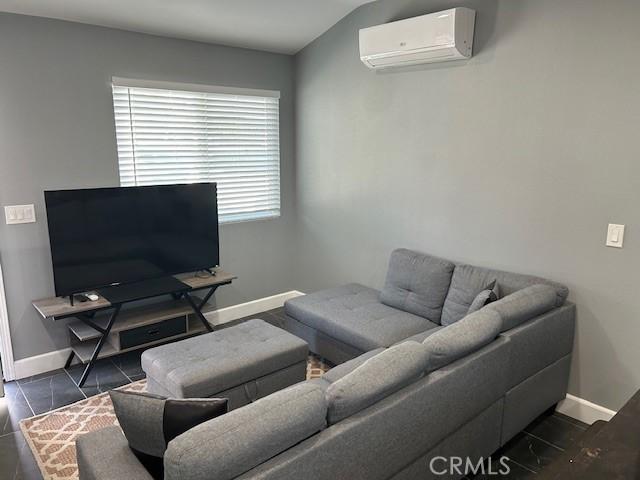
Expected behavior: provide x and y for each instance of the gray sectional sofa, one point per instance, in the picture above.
(418, 377)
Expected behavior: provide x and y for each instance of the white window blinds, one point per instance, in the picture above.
(178, 135)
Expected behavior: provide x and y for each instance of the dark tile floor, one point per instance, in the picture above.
(48, 391)
(539, 444)
(529, 452)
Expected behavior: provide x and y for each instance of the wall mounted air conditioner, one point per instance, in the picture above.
(436, 37)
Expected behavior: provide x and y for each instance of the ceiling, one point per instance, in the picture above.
(283, 26)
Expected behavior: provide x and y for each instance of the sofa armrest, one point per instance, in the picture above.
(227, 446)
(540, 342)
(105, 455)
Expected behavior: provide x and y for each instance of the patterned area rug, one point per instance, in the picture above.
(52, 436)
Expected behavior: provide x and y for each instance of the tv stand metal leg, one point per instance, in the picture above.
(96, 351)
(207, 297)
(197, 309)
(69, 359)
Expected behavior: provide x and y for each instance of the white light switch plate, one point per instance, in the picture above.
(16, 214)
(615, 235)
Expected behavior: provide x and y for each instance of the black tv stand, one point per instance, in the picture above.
(103, 328)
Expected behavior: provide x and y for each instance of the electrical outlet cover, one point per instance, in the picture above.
(16, 214)
(615, 235)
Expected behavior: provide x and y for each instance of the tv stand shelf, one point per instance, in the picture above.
(83, 350)
(132, 318)
(101, 329)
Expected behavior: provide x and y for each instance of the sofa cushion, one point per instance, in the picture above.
(417, 283)
(524, 305)
(377, 378)
(105, 454)
(228, 446)
(468, 281)
(462, 338)
(339, 371)
(354, 315)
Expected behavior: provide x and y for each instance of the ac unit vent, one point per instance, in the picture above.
(436, 37)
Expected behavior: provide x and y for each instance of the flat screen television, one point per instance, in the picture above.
(114, 236)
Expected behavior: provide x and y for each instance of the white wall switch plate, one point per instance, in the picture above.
(615, 235)
(16, 214)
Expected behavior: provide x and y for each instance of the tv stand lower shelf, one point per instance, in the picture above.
(134, 329)
(104, 328)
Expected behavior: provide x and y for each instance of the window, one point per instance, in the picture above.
(173, 133)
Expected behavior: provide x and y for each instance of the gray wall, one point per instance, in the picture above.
(517, 159)
(57, 131)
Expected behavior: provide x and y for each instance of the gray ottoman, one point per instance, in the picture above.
(241, 363)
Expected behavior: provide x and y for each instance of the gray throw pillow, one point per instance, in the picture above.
(489, 294)
(150, 422)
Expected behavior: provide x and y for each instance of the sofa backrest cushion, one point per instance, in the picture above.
(228, 446)
(467, 281)
(524, 305)
(377, 378)
(417, 283)
(462, 338)
(339, 371)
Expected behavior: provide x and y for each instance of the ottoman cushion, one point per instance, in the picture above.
(202, 366)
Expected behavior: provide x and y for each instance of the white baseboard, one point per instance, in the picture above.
(234, 312)
(56, 359)
(40, 363)
(584, 410)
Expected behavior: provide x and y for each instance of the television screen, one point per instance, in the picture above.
(107, 236)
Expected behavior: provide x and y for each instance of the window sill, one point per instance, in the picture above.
(252, 217)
